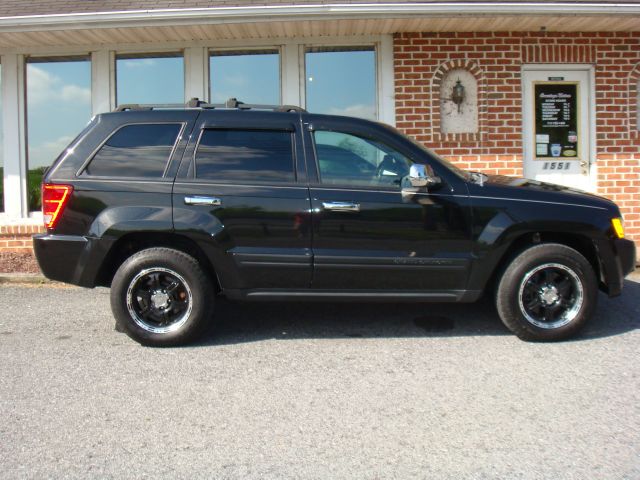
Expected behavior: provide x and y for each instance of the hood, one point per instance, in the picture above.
(527, 189)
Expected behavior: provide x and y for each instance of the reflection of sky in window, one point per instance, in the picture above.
(251, 78)
(341, 83)
(150, 80)
(58, 107)
(59, 93)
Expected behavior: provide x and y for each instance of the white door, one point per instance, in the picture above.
(557, 125)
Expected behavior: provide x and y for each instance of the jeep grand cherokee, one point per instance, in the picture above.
(171, 207)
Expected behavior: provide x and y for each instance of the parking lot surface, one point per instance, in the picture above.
(315, 391)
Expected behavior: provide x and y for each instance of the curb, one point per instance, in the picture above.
(31, 278)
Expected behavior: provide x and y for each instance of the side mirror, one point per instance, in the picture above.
(421, 175)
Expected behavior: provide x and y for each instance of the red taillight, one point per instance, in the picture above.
(54, 199)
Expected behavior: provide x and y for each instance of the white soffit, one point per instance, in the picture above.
(265, 21)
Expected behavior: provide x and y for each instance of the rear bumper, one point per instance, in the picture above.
(618, 259)
(67, 258)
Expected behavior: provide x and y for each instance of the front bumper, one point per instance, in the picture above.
(618, 259)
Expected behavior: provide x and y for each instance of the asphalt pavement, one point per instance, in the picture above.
(315, 391)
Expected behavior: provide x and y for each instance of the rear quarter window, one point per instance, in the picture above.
(139, 150)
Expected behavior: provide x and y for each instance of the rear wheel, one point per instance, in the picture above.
(161, 297)
(547, 293)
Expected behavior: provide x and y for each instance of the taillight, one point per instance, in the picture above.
(54, 199)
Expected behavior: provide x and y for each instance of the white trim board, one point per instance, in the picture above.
(335, 11)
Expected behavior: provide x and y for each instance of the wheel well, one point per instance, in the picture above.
(578, 242)
(132, 243)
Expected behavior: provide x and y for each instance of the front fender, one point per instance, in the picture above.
(499, 234)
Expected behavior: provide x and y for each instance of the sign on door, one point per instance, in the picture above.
(556, 127)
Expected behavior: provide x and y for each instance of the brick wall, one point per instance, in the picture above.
(496, 59)
(17, 238)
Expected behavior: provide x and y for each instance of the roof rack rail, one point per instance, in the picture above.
(232, 103)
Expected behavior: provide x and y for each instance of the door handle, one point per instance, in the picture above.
(341, 206)
(195, 200)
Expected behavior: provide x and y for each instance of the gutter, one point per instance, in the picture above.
(262, 13)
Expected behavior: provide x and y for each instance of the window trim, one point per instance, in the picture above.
(81, 171)
(292, 133)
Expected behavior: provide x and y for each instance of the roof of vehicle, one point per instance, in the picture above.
(231, 103)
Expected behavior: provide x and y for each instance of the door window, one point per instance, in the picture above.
(245, 156)
(349, 160)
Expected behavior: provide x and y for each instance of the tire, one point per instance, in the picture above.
(161, 297)
(547, 293)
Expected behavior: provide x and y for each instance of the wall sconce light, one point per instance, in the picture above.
(457, 94)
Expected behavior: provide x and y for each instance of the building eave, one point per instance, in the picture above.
(320, 12)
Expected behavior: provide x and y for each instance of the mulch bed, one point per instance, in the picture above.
(18, 263)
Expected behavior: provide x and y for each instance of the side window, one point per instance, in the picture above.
(349, 160)
(245, 156)
(140, 150)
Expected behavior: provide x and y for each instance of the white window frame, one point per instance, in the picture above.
(196, 84)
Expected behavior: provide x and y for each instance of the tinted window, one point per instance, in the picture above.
(245, 155)
(136, 151)
(345, 159)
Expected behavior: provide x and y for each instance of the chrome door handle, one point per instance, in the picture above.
(195, 200)
(341, 206)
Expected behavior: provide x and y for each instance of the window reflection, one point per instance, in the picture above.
(141, 150)
(245, 156)
(149, 78)
(58, 107)
(249, 76)
(345, 159)
(341, 81)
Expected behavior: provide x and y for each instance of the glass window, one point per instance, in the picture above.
(245, 156)
(150, 78)
(135, 151)
(349, 160)
(249, 76)
(341, 81)
(58, 107)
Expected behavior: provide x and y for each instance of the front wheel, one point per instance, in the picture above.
(161, 297)
(547, 293)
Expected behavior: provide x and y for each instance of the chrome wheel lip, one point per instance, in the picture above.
(174, 325)
(570, 314)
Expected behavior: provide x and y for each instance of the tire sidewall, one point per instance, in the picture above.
(187, 268)
(507, 298)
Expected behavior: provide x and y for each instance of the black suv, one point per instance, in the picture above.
(171, 207)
